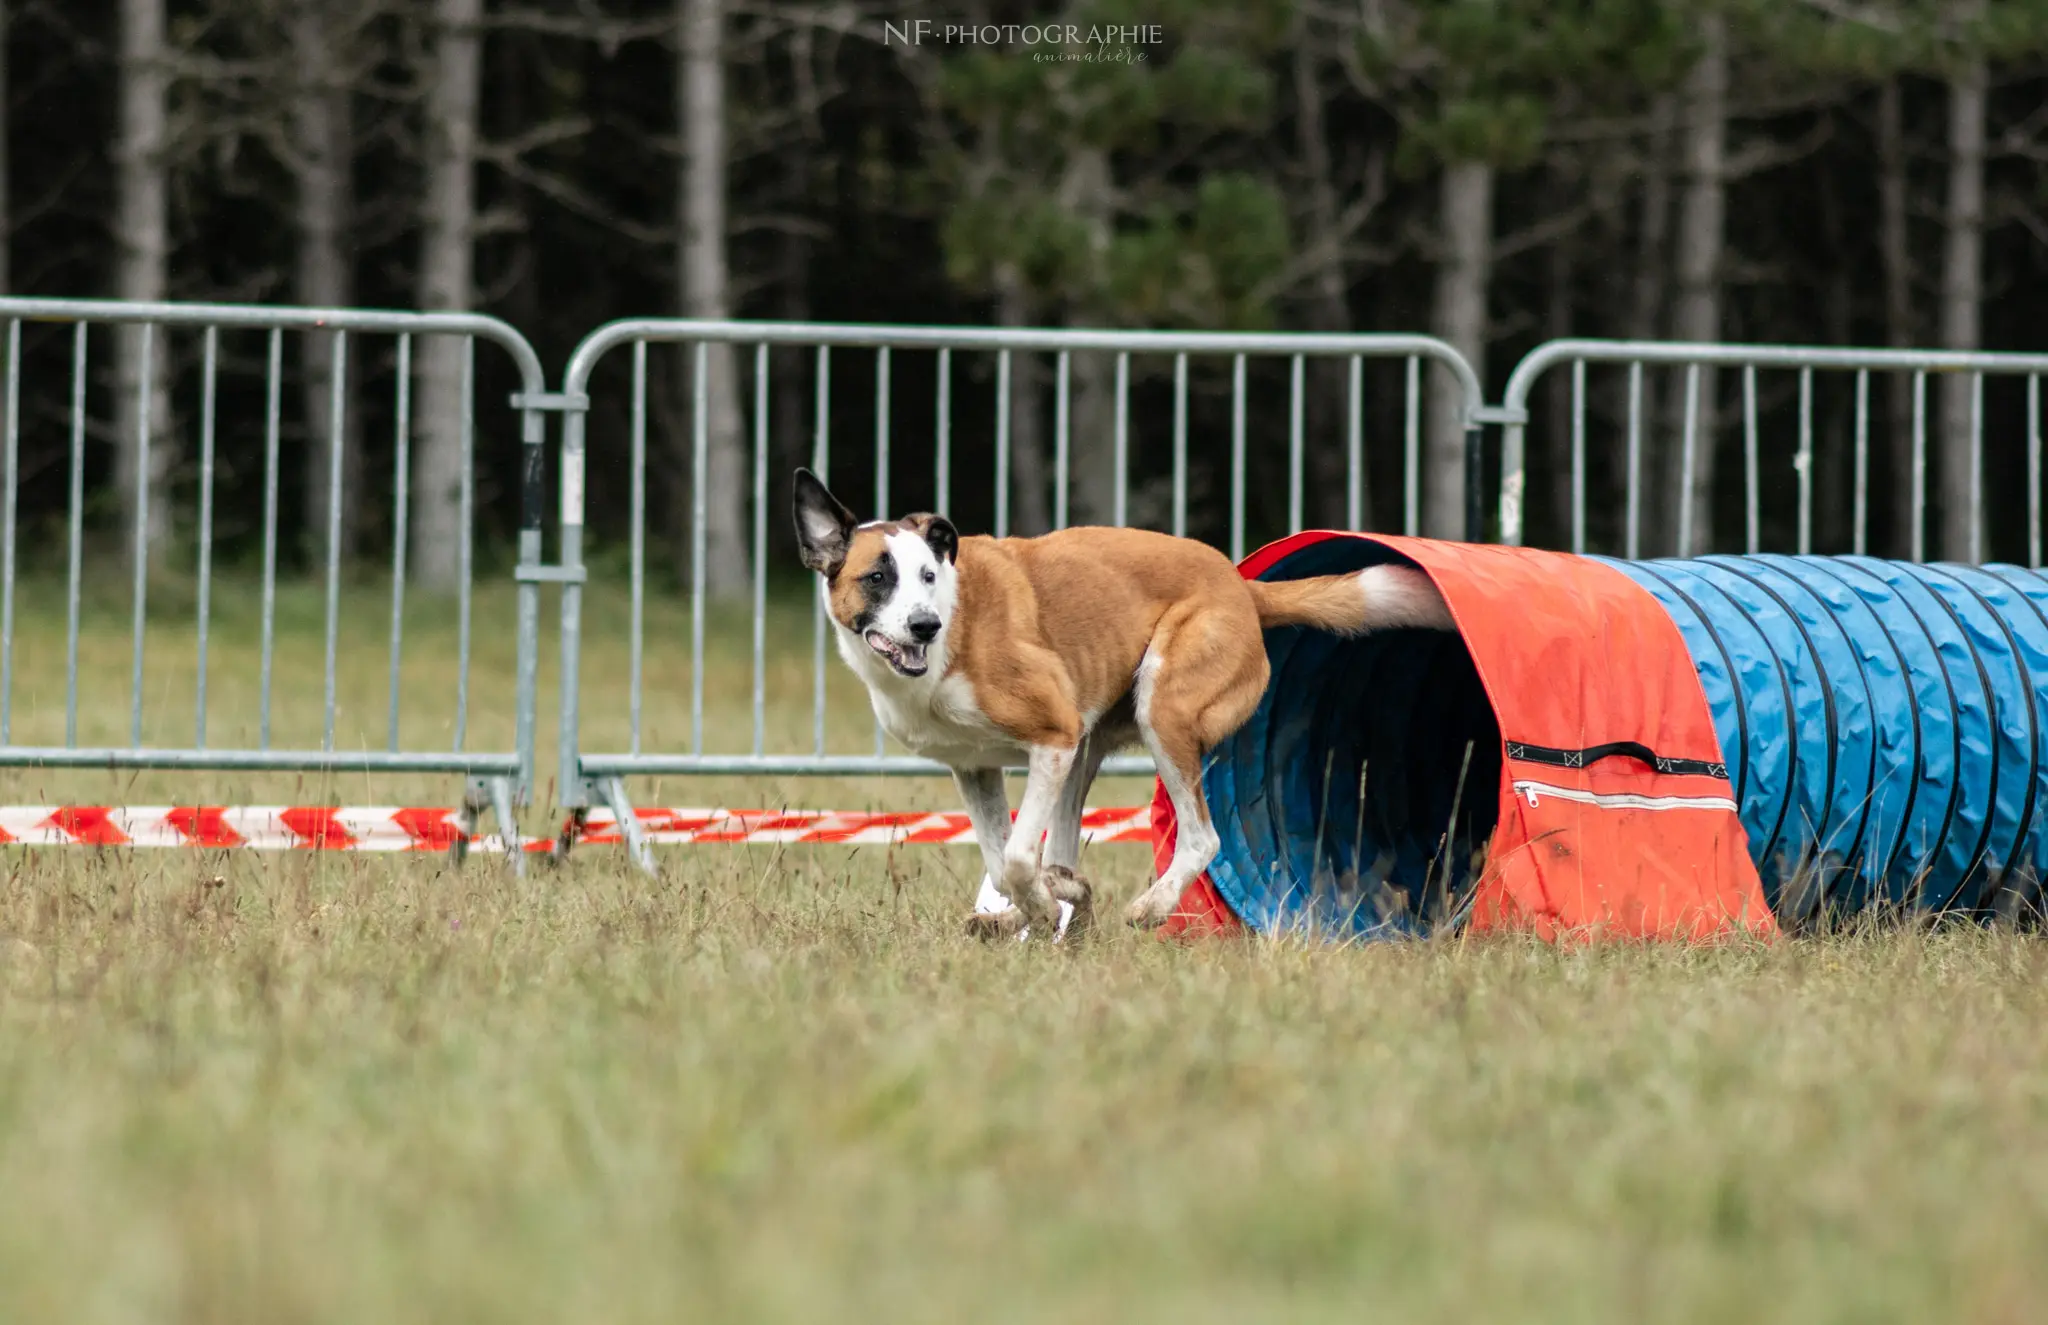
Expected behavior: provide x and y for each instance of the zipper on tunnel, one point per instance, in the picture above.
(1533, 792)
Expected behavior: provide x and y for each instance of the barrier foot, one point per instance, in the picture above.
(474, 798)
(614, 792)
(495, 795)
(508, 823)
(572, 829)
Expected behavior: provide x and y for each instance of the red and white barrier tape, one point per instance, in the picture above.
(317, 828)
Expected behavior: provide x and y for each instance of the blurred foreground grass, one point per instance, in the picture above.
(777, 1085)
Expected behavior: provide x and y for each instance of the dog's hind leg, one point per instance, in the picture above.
(1199, 681)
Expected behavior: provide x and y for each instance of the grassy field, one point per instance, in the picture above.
(778, 1085)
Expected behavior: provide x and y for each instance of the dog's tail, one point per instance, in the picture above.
(1376, 598)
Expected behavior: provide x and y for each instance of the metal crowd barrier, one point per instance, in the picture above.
(498, 779)
(1636, 356)
(585, 773)
(1164, 428)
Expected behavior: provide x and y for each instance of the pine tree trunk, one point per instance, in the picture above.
(6, 198)
(1649, 298)
(1834, 472)
(1696, 315)
(790, 383)
(1962, 287)
(1896, 254)
(1327, 410)
(1028, 480)
(1653, 235)
(447, 283)
(705, 293)
(1557, 326)
(324, 145)
(142, 235)
(1462, 277)
(1091, 420)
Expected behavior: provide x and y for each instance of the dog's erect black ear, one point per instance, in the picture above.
(943, 539)
(824, 528)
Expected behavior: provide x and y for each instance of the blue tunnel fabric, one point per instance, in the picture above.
(1883, 726)
(1882, 723)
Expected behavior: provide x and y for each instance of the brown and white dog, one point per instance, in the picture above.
(982, 653)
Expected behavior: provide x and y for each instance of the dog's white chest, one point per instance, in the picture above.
(935, 715)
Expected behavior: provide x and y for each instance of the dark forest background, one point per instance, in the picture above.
(1498, 172)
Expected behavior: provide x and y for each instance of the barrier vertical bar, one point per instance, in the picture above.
(1003, 444)
(76, 532)
(1475, 466)
(401, 502)
(1411, 455)
(1752, 521)
(1237, 458)
(636, 538)
(1804, 463)
(881, 477)
(1294, 445)
(1579, 456)
(1632, 548)
(882, 433)
(1120, 500)
(2034, 472)
(272, 422)
(1919, 474)
(1861, 514)
(1976, 468)
(1061, 442)
(761, 371)
(942, 428)
(700, 506)
(337, 406)
(573, 790)
(1687, 465)
(533, 517)
(466, 539)
(211, 359)
(821, 464)
(1354, 449)
(13, 482)
(1180, 446)
(143, 400)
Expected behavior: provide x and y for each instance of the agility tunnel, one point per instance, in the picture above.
(1676, 748)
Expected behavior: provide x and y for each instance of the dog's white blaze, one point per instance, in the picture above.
(913, 557)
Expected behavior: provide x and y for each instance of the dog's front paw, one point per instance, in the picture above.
(1071, 888)
(988, 926)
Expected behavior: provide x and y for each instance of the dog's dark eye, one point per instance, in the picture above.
(874, 577)
(930, 576)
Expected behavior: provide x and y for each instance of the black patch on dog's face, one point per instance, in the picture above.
(877, 584)
(938, 532)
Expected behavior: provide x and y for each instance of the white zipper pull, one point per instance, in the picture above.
(1529, 790)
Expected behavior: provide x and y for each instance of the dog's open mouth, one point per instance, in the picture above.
(907, 659)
